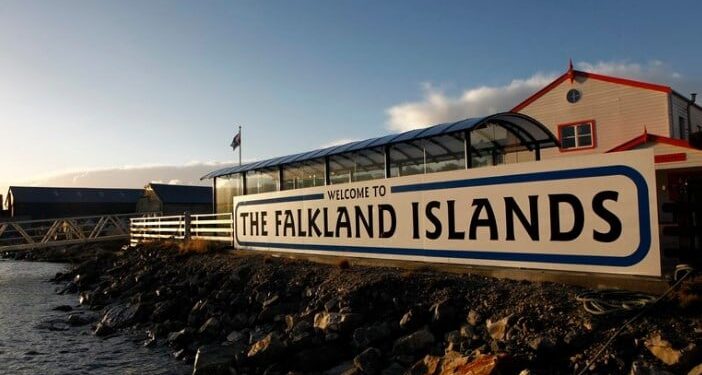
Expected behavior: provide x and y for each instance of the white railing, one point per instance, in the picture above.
(210, 227)
(35, 234)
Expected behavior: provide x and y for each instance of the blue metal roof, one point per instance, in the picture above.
(525, 127)
(35, 194)
(183, 194)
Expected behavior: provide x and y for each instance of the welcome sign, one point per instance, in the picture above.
(594, 214)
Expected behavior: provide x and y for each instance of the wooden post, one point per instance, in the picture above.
(186, 230)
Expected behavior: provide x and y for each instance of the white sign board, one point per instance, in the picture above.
(593, 214)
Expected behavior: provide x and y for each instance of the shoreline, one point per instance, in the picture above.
(254, 313)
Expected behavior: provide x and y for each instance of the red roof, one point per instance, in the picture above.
(570, 74)
(647, 138)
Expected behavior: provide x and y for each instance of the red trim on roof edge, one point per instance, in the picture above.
(599, 77)
(646, 138)
(541, 92)
(628, 82)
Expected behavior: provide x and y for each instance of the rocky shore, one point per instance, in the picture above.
(258, 314)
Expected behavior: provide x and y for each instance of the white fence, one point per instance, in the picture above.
(210, 227)
(35, 234)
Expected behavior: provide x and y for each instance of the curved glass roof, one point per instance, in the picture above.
(527, 129)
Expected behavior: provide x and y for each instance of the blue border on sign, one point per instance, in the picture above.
(600, 260)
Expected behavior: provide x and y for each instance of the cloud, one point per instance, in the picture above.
(131, 176)
(655, 71)
(338, 142)
(436, 106)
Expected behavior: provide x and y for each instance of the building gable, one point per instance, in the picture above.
(615, 109)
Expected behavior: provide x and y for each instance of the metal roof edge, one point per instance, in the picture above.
(461, 125)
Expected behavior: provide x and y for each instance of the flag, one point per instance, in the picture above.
(236, 142)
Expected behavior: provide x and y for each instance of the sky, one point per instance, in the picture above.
(118, 94)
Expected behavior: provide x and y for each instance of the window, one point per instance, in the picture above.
(356, 166)
(370, 164)
(445, 153)
(341, 168)
(486, 146)
(577, 136)
(407, 158)
(262, 181)
(681, 127)
(305, 174)
(226, 188)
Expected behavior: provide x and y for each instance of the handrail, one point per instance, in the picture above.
(42, 233)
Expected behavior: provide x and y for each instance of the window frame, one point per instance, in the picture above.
(574, 124)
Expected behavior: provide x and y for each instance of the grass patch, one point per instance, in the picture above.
(196, 247)
(344, 264)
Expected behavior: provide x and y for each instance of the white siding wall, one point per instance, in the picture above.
(678, 111)
(620, 112)
(696, 114)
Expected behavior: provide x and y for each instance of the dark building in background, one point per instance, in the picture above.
(175, 199)
(4, 214)
(31, 203)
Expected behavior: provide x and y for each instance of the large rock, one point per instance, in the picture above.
(120, 316)
(412, 319)
(474, 318)
(267, 349)
(663, 350)
(394, 369)
(213, 360)
(443, 313)
(102, 330)
(344, 368)
(640, 368)
(498, 329)
(429, 365)
(368, 361)
(482, 365)
(318, 358)
(237, 336)
(198, 312)
(302, 334)
(336, 321)
(210, 328)
(697, 370)
(364, 336)
(164, 310)
(454, 363)
(180, 338)
(413, 342)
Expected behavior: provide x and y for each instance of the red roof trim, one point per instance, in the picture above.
(646, 138)
(599, 77)
(670, 158)
(628, 82)
(541, 92)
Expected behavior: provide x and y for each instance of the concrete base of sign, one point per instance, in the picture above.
(653, 285)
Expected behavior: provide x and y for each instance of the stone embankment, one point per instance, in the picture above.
(257, 314)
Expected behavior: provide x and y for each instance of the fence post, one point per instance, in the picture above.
(233, 228)
(186, 219)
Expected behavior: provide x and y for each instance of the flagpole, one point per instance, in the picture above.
(240, 145)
